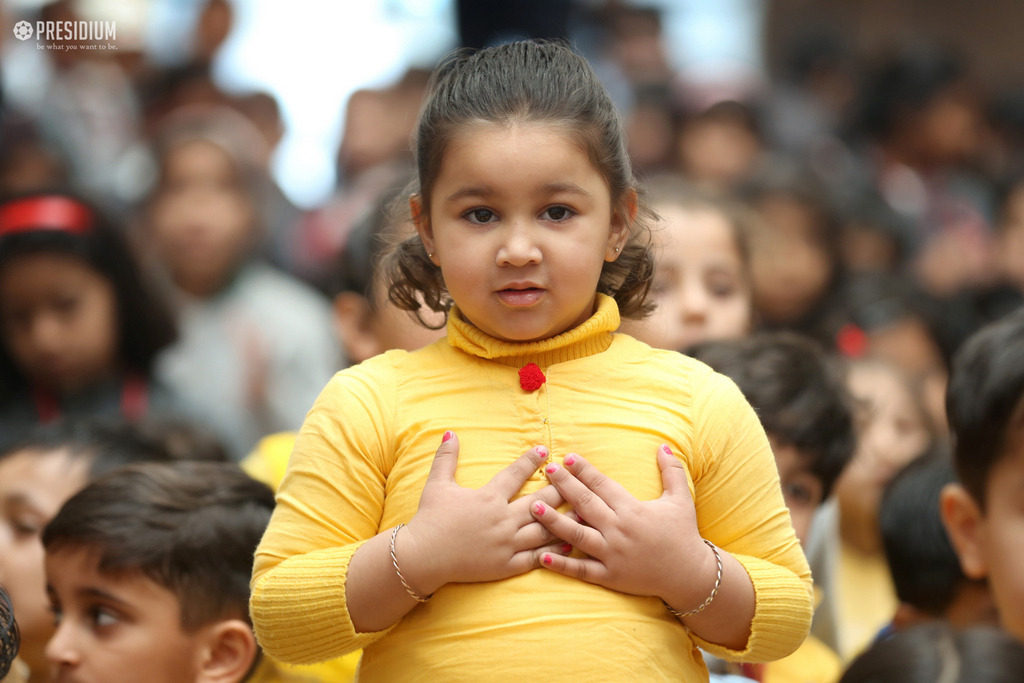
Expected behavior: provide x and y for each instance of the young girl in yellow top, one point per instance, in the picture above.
(470, 563)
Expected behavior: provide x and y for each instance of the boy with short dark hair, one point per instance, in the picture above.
(984, 513)
(924, 567)
(148, 574)
(802, 401)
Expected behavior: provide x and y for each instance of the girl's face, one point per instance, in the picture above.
(891, 431)
(700, 283)
(59, 320)
(33, 487)
(202, 221)
(521, 224)
(791, 269)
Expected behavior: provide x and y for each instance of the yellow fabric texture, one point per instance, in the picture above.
(268, 463)
(366, 447)
(813, 662)
(867, 599)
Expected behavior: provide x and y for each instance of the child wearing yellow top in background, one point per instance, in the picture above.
(458, 564)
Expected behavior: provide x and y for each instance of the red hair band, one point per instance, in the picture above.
(46, 212)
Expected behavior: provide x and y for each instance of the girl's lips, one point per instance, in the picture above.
(520, 297)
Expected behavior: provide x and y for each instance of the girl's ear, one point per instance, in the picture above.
(622, 218)
(422, 222)
(964, 523)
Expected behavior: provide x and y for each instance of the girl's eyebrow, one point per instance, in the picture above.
(470, 192)
(547, 188)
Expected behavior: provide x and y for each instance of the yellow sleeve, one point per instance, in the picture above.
(740, 508)
(328, 505)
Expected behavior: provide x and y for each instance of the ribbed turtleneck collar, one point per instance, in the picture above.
(592, 336)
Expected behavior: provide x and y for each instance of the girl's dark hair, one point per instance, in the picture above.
(9, 637)
(524, 82)
(935, 653)
(145, 324)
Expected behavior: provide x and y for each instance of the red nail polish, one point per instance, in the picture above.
(538, 508)
(447, 436)
(546, 558)
(550, 469)
(567, 547)
(543, 452)
(665, 447)
(570, 459)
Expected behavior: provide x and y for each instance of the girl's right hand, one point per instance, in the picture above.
(468, 535)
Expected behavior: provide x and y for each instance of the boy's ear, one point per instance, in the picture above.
(622, 218)
(421, 220)
(227, 652)
(352, 320)
(963, 519)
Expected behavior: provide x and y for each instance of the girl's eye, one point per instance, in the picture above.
(558, 213)
(479, 216)
(102, 617)
(56, 613)
(25, 528)
(66, 304)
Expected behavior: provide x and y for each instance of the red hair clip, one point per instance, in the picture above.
(45, 212)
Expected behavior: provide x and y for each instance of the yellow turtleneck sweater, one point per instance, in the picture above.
(362, 458)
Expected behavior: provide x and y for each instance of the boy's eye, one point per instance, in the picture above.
(558, 213)
(479, 216)
(796, 493)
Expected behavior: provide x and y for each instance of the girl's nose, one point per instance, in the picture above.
(694, 303)
(519, 247)
(61, 650)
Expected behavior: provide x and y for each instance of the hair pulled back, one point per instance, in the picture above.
(524, 82)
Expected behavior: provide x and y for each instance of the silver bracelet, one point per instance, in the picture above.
(412, 593)
(714, 591)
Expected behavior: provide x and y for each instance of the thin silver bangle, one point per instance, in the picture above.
(714, 591)
(412, 593)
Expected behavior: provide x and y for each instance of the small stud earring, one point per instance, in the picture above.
(430, 255)
(616, 250)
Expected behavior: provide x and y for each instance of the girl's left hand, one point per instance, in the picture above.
(638, 547)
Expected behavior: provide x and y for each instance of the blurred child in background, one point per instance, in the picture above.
(80, 329)
(925, 570)
(845, 548)
(794, 251)
(256, 346)
(983, 513)
(935, 653)
(702, 286)
(366, 321)
(721, 146)
(806, 411)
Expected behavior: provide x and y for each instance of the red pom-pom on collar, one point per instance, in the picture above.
(530, 377)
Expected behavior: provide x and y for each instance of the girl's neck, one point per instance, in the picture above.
(592, 336)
